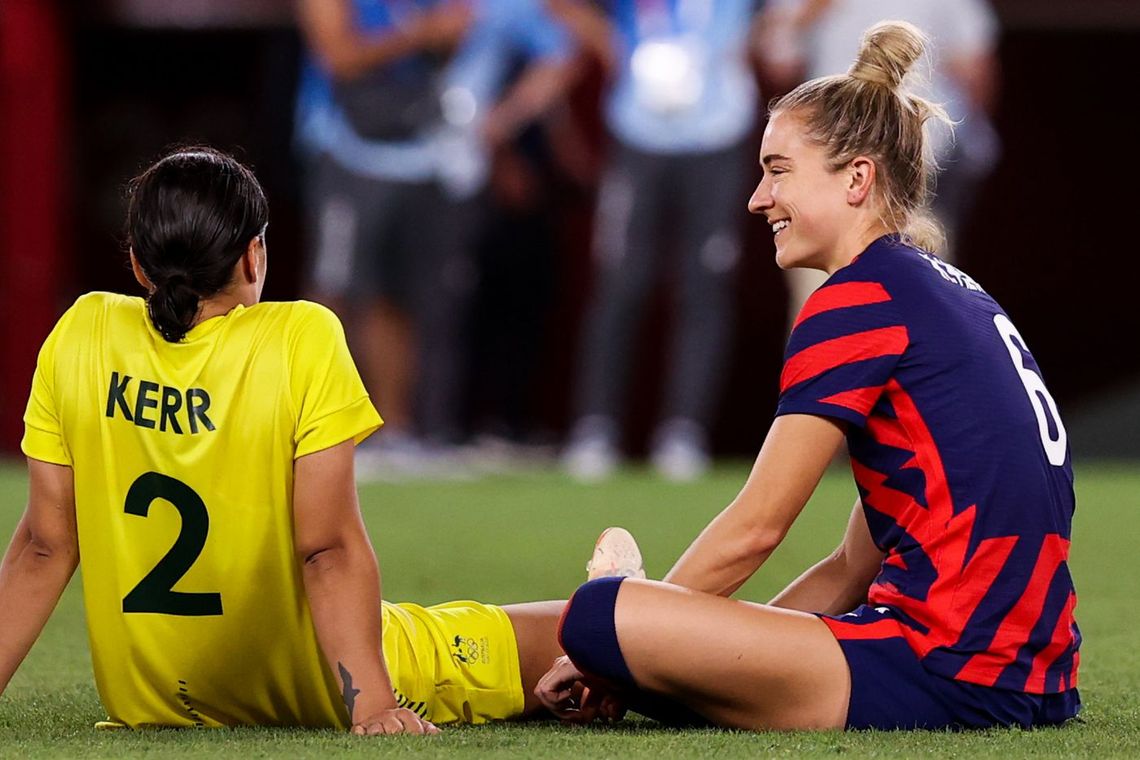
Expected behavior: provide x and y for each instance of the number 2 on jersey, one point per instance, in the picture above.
(1055, 447)
(154, 593)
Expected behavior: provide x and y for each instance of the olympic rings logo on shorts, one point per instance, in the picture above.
(470, 651)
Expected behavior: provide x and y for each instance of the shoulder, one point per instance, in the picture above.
(871, 278)
(95, 308)
(299, 322)
(295, 314)
(899, 268)
(102, 302)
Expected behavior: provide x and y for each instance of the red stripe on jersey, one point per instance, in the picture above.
(880, 629)
(860, 400)
(831, 297)
(944, 538)
(898, 505)
(829, 354)
(894, 559)
(890, 432)
(1059, 643)
(986, 667)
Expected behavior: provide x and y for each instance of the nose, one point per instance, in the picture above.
(761, 199)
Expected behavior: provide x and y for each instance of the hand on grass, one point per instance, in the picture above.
(398, 720)
(562, 692)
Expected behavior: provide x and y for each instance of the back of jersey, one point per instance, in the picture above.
(961, 460)
(183, 462)
(994, 455)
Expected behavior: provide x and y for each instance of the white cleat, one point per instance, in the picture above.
(615, 556)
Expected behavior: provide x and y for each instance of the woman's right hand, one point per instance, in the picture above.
(397, 720)
(559, 690)
(564, 694)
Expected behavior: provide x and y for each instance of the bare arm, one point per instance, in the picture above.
(40, 561)
(589, 27)
(778, 39)
(739, 540)
(347, 53)
(539, 87)
(838, 583)
(342, 582)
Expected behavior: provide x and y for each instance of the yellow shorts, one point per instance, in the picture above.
(454, 662)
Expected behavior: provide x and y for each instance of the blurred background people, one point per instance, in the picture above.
(400, 104)
(78, 112)
(805, 39)
(680, 105)
(537, 178)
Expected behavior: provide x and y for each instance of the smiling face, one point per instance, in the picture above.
(808, 205)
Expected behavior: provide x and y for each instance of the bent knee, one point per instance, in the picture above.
(588, 633)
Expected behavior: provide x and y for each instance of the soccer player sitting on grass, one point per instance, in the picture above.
(949, 602)
(196, 450)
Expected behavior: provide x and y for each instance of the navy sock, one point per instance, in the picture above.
(588, 634)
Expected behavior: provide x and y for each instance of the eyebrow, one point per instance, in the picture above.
(768, 159)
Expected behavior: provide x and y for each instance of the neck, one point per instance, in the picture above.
(855, 244)
(223, 303)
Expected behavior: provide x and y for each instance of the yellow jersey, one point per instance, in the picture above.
(182, 456)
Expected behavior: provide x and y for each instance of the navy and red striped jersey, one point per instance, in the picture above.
(961, 460)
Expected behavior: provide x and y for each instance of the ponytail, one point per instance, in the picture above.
(173, 307)
(192, 216)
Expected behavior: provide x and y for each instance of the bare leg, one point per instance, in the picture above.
(741, 665)
(536, 630)
(387, 359)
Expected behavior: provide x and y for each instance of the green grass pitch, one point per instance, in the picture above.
(527, 538)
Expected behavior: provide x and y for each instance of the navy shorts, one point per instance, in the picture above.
(890, 689)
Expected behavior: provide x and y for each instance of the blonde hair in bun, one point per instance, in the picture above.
(869, 112)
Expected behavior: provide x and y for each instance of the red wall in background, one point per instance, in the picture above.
(33, 231)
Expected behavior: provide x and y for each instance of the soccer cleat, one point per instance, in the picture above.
(615, 556)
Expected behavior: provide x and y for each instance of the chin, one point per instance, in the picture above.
(791, 258)
(788, 259)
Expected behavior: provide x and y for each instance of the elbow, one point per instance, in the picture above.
(53, 550)
(340, 59)
(343, 552)
(320, 558)
(342, 68)
(760, 541)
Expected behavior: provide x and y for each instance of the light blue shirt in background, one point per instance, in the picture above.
(685, 83)
(501, 31)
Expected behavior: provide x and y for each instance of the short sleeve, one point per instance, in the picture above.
(843, 351)
(43, 431)
(328, 394)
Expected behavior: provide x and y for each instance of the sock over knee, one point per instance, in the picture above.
(588, 634)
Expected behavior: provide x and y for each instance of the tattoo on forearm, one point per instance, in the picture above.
(350, 693)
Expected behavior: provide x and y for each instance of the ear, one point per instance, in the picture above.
(861, 179)
(140, 275)
(250, 260)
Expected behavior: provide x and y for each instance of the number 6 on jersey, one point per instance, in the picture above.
(1055, 447)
